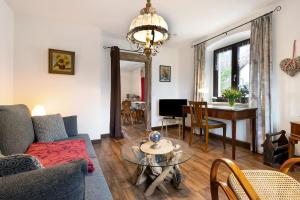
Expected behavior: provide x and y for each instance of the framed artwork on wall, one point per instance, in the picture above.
(61, 62)
(164, 73)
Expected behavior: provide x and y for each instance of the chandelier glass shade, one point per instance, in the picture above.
(148, 31)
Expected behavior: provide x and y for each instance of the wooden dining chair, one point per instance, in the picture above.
(199, 119)
(255, 184)
(127, 113)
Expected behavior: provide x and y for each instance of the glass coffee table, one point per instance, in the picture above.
(157, 164)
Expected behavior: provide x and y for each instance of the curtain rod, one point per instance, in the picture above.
(278, 8)
(135, 51)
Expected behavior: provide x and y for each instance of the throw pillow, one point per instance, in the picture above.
(49, 128)
(18, 163)
(71, 125)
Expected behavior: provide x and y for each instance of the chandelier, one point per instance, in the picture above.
(148, 31)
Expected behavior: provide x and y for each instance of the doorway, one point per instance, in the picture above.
(145, 63)
(133, 102)
(115, 107)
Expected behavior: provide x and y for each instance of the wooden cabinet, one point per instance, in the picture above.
(294, 138)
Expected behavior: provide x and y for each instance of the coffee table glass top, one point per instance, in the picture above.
(132, 152)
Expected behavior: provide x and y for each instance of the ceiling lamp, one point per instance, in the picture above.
(148, 31)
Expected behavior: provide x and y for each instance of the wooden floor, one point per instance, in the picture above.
(195, 185)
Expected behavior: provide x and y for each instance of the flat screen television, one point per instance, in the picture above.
(171, 107)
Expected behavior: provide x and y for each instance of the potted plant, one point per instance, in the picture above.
(231, 95)
(244, 92)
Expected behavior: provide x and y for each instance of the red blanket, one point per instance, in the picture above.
(55, 153)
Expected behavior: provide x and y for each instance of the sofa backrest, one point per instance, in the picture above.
(16, 129)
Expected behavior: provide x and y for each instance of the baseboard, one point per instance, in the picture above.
(96, 141)
(106, 135)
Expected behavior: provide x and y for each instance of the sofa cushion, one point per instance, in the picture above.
(16, 130)
(49, 128)
(88, 143)
(71, 125)
(63, 182)
(18, 163)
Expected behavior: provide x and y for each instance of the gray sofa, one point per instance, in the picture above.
(64, 182)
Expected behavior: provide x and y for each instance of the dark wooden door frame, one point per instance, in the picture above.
(134, 57)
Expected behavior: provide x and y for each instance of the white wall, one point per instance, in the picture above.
(86, 94)
(130, 82)
(286, 95)
(164, 90)
(125, 84)
(136, 82)
(285, 98)
(6, 53)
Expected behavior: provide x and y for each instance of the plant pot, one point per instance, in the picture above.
(231, 102)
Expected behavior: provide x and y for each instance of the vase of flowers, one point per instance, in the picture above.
(231, 95)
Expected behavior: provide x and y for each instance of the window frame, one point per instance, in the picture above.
(234, 65)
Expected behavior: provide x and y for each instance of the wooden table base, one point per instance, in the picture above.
(158, 174)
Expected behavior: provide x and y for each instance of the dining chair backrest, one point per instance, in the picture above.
(126, 106)
(199, 113)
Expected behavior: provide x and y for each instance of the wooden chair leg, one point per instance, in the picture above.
(201, 133)
(206, 138)
(191, 136)
(179, 132)
(224, 137)
(214, 190)
(131, 119)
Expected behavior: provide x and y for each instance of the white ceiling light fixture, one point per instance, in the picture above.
(148, 30)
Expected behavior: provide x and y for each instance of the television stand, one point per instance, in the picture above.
(166, 121)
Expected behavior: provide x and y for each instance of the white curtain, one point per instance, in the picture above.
(260, 75)
(199, 70)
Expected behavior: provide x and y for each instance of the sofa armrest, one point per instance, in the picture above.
(62, 182)
(71, 125)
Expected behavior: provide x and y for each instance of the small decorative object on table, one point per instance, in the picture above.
(154, 137)
(244, 92)
(231, 95)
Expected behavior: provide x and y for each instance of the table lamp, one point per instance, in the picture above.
(38, 110)
(203, 91)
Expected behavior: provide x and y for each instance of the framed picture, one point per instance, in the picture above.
(61, 62)
(164, 73)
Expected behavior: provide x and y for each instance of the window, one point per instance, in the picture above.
(231, 67)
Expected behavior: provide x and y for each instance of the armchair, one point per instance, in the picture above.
(255, 184)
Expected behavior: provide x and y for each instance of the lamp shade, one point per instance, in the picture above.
(38, 110)
(148, 30)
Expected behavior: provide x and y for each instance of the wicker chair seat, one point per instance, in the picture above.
(269, 185)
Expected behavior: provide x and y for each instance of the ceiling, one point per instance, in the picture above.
(188, 20)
